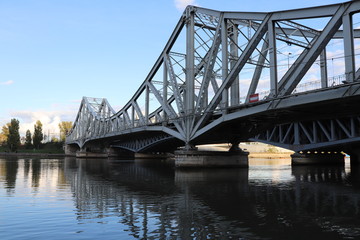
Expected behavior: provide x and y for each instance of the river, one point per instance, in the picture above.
(68, 198)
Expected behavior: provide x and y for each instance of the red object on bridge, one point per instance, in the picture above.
(254, 98)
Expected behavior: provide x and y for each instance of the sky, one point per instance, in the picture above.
(52, 53)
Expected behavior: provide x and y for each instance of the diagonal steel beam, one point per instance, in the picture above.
(234, 72)
(139, 112)
(168, 109)
(257, 73)
(209, 66)
(175, 86)
(297, 71)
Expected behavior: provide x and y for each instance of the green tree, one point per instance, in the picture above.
(38, 134)
(13, 140)
(65, 127)
(28, 139)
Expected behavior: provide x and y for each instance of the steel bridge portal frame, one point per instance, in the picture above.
(200, 82)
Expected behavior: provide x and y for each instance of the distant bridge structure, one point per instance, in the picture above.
(287, 78)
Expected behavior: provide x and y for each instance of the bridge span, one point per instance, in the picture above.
(288, 78)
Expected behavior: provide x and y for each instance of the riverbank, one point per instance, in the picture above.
(256, 150)
(23, 154)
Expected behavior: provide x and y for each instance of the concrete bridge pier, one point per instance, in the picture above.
(194, 158)
(315, 157)
(70, 150)
(91, 153)
(354, 156)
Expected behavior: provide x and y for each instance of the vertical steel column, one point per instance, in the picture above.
(225, 63)
(352, 127)
(349, 48)
(273, 59)
(132, 116)
(234, 53)
(296, 134)
(165, 88)
(147, 103)
(190, 72)
(323, 67)
(315, 132)
(332, 130)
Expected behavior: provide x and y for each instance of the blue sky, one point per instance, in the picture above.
(52, 53)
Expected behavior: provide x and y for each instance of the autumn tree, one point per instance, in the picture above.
(65, 127)
(28, 139)
(4, 134)
(38, 134)
(13, 139)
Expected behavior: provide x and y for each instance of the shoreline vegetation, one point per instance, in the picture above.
(46, 149)
(32, 154)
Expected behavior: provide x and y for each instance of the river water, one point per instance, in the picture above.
(70, 198)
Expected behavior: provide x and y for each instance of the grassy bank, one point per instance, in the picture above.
(47, 148)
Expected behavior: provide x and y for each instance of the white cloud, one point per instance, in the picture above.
(7, 82)
(49, 119)
(181, 4)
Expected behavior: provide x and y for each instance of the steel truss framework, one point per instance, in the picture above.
(139, 145)
(188, 87)
(316, 134)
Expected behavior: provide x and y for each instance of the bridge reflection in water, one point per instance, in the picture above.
(154, 202)
(146, 200)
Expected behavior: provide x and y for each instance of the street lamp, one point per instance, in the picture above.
(289, 59)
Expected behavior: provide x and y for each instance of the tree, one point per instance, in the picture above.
(65, 127)
(4, 134)
(38, 135)
(28, 139)
(13, 140)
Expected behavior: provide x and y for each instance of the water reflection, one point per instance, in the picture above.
(11, 168)
(145, 200)
(160, 202)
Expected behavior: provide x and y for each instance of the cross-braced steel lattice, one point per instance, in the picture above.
(216, 64)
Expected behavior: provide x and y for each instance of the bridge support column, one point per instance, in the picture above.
(354, 156)
(205, 159)
(70, 150)
(317, 158)
(91, 153)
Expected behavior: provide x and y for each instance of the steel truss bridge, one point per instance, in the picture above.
(288, 78)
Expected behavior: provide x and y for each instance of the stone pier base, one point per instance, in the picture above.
(81, 154)
(194, 158)
(153, 155)
(70, 150)
(317, 158)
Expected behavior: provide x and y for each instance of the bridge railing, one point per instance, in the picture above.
(305, 87)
